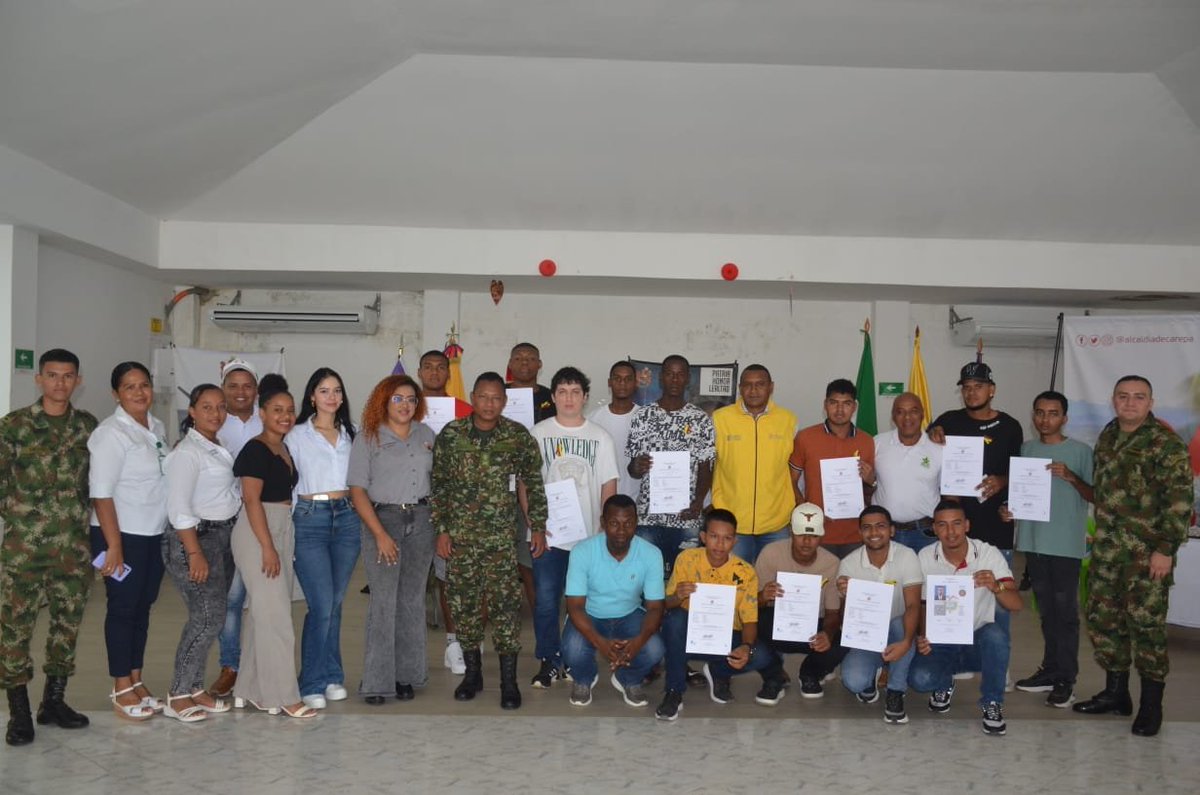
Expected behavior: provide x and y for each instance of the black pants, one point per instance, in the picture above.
(1056, 586)
(127, 622)
(817, 664)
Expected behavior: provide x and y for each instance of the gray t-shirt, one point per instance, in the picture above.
(391, 469)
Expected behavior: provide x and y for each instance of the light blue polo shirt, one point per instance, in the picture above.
(614, 588)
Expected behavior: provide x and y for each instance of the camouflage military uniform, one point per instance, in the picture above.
(45, 555)
(1143, 497)
(473, 499)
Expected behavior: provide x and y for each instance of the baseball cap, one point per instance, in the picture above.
(975, 371)
(237, 364)
(808, 520)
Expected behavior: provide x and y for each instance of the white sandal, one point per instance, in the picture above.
(135, 712)
(152, 702)
(192, 714)
(219, 704)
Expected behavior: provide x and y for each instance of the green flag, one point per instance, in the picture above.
(866, 387)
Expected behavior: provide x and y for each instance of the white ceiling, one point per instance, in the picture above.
(1071, 120)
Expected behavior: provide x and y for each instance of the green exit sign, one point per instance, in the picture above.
(23, 359)
(891, 388)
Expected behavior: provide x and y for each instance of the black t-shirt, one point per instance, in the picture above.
(1002, 437)
(257, 461)
(543, 403)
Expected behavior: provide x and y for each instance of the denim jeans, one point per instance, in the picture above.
(1002, 616)
(988, 655)
(747, 546)
(580, 655)
(817, 664)
(1055, 581)
(127, 621)
(205, 601)
(860, 667)
(230, 639)
(328, 538)
(916, 538)
(549, 582)
(669, 540)
(674, 635)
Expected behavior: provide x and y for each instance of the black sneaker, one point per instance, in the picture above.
(939, 700)
(811, 687)
(1040, 682)
(868, 696)
(893, 708)
(718, 689)
(671, 706)
(1062, 696)
(546, 676)
(993, 719)
(771, 693)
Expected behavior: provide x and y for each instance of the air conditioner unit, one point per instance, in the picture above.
(1004, 326)
(267, 319)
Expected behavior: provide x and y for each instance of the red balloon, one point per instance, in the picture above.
(729, 271)
(547, 267)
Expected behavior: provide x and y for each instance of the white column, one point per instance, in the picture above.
(891, 342)
(18, 291)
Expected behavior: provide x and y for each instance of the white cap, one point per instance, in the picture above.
(808, 520)
(237, 364)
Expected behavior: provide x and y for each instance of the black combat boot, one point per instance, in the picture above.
(1113, 698)
(1149, 717)
(20, 720)
(510, 694)
(472, 681)
(54, 710)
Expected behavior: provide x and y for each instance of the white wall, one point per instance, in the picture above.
(99, 312)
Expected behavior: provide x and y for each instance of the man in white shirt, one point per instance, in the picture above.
(934, 667)
(616, 417)
(908, 468)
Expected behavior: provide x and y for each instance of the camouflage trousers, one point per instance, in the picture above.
(1126, 610)
(483, 581)
(33, 572)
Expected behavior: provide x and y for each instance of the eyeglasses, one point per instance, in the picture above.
(411, 400)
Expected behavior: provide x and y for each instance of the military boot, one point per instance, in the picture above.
(54, 709)
(1149, 717)
(472, 681)
(510, 694)
(20, 721)
(1113, 698)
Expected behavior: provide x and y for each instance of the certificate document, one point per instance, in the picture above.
(564, 522)
(1029, 488)
(710, 619)
(868, 614)
(797, 611)
(962, 466)
(670, 481)
(519, 407)
(841, 488)
(950, 609)
(438, 412)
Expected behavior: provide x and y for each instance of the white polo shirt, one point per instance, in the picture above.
(908, 476)
(981, 556)
(127, 467)
(235, 433)
(901, 569)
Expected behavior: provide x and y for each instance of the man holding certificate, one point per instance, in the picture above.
(879, 560)
(579, 470)
(712, 614)
(963, 562)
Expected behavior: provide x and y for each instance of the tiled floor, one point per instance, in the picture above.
(433, 743)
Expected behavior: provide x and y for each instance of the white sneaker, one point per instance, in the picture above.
(335, 692)
(453, 659)
(315, 701)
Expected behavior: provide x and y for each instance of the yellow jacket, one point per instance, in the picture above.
(751, 477)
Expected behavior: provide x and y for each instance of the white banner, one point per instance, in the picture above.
(192, 366)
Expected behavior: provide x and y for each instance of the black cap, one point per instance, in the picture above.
(975, 371)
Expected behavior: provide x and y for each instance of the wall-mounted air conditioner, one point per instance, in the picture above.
(269, 319)
(1004, 326)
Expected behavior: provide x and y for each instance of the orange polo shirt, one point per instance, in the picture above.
(818, 442)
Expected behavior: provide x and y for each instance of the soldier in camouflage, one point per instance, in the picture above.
(1143, 497)
(478, 462)
(45, 556)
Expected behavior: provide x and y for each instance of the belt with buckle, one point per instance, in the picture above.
(403, 506)
(916, 524)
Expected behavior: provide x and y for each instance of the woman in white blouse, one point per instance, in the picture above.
(202, 506)
(327, 531)
(128, 486)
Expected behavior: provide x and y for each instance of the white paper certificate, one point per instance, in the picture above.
(710, 619)
(519, 407)
(868, 614)
(797, 611)
(950, 609)
(841, 488)
(438, 412)
(962, 466)
(564, 522)
(1029, 488)
(670, 481)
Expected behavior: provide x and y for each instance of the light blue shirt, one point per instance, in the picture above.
(615, 588)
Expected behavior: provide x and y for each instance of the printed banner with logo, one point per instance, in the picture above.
(710, 386)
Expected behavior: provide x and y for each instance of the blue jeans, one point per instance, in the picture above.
(668, 540)
(328, 538)
(580, 655)
(747, 546)
(918, 537)
(230, 639)
(988, 655)
(859, 667)
(1002, 616)
(674, 635)
(549, 582)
